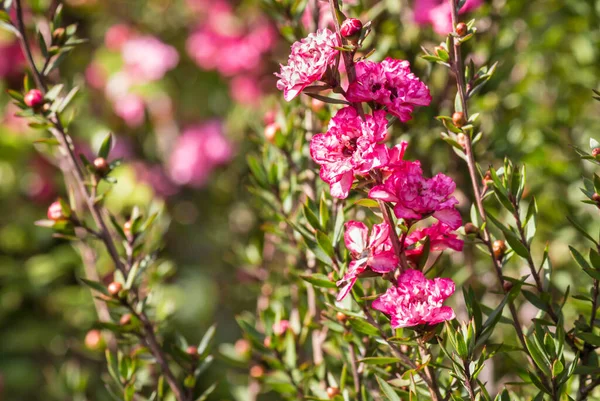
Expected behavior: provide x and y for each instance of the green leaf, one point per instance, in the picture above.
(106, 146)
(379, 360)
(362, 326)
(94, 285)
(318, 280)
(537, 354)
(387, 390)
(589, 338)
(206, 341)
(557, 368)
(207, 392)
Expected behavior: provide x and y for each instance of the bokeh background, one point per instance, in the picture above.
(187, 88)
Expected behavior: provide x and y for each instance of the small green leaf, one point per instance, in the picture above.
(318, 280)
(106, 146)
(95, 285)
(206, 341)
(362, 326)
(379, 360)
(387, 390)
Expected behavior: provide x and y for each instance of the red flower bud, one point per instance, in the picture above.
(461, 29)
(471, 229)
(332, 392)
(34, 98)
(499, 247)
(596, 198)
(93, 340)
(55, 212)
(114, 288)
(507, 286)
(257, 371)
(458, 119)
(101, 165)
(341, 317)
(351, 28)
(192, 351)
(596, 152)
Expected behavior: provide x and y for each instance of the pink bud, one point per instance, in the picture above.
(280, 327)
(55, 212)
(271, 131)
(34, 98)
(351, 28)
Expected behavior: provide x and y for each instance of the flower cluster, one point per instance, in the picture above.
(308, 62)
(354, 148)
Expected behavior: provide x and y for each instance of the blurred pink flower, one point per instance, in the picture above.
(415, 300)
(147, 58)
(279, 328)
(95, 76)
(323, 15)
(440, 237)
(116, 36)
(374, 253)
(438, 14)
(131, 109)
(351, 145)
(11, 59)
(245, 89)
(197, 152)
(417, 197)
(307, 63)
(13, 122)
(390, 83)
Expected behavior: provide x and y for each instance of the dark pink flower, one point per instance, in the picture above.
(374, 253)
(391, 84)
(350, 146)
(438, 13)
(308, 61)
(416, 300)
(147, 58)
(417, 197)
(11, 59)
(351, 28)
(440, 236)
(197, 152)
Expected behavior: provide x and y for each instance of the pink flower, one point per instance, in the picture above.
(279, 328)
(197, 152)
(11, 59)
(351, 145)
(415, 300)
(374, 253)
(131, 109)
(417, 197)
(438, 13)
(147, 58)
(308, 61)
(116, 36)
(245, 89)
(391, 84)
(440, 237)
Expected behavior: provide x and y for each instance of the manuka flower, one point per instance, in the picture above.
(369, 252)
(148, 59)
(416, 300)
(308, 61)
(351, 145)
(417, 197)
(391, 84)
(440, 236)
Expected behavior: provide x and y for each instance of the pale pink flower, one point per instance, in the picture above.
(438, 13)
(416, 300)
(440, 236)
(116, 36)
(391, 84)
(307, 63)
(372, 252)
(147, 58)
(246, 90)
(197, 152)
(417, 197)
(95, 76)
(131, 109)
(350, 146)
(280, 327)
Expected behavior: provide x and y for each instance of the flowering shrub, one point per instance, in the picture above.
(382, 265)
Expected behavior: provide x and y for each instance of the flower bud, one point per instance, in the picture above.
(507, 286)
(461, 29)
(351, 29)
(55, 212)
(114, 288)
(458, 119)
(58, 36)
(462, 140)
(267, 342)
(471, 229)
(332, 392)
(242, 346)
(341, 317)
(125, 319)
(499, 247)
(257, 371)
(101, 165)
(34, 98)
(487, 179)
(271, 131)
(596, 152)
(280, 327)
(192, 351)
(93, 340)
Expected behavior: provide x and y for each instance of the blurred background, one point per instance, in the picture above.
(187, 87)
